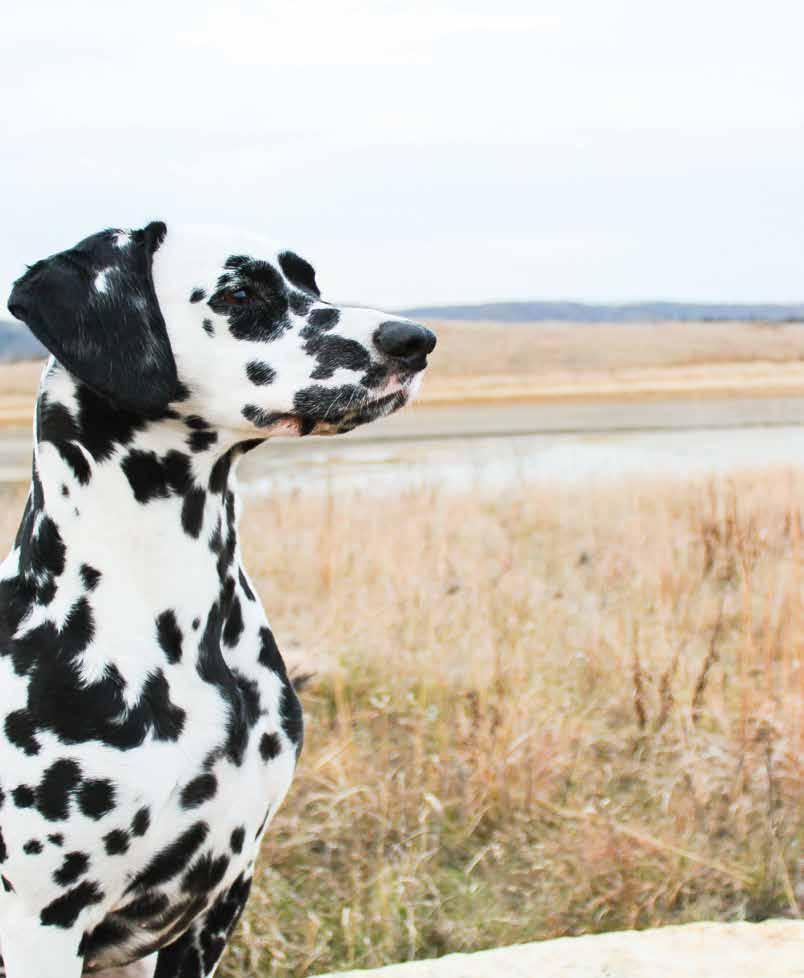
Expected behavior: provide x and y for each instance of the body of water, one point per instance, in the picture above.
(494, 446)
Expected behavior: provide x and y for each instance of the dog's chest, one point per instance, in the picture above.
(144, 835)
(204, 842)
(205, 839)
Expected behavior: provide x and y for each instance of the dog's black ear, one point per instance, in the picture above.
(95, 308)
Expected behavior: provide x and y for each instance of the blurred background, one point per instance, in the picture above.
(552, 615)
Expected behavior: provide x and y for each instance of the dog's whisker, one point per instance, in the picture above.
(333, 403)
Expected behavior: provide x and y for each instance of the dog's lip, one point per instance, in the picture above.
(404, 373)
(384, 398)
(398, 380)
(297, 420)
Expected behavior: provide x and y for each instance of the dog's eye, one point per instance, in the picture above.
(237, 297)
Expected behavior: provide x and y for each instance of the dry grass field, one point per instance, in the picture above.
(476, 348)
(542, 714)
(546, 714)
(562, 361)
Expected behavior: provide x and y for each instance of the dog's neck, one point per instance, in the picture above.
(149, 501)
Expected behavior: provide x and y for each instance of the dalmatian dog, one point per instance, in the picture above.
(149, 728)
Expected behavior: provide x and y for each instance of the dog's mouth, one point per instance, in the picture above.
(340, 410)
(359, 411)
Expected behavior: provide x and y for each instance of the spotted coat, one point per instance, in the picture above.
(149, 728)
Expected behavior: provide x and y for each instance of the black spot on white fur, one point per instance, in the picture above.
(116, 842)
(333, 352)
(153, 477)
(259, 417)
(270, 746)
(199, 790)
(171, 860)
(64, 910)
(141, 822)
(73, 866)
(169, 635)
(260, 373)
(320, 320)
(90, 576)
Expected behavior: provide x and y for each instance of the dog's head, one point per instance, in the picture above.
(220, 326)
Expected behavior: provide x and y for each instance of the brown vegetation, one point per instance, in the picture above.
(566, 362)
(480, 349)
(550, 714)
(547, 714)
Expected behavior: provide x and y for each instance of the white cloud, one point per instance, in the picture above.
(356, 35)
(423, 150)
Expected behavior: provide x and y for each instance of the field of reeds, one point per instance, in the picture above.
(552, 712)
(543, 714)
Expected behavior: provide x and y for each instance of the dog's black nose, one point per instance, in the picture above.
(404, 341)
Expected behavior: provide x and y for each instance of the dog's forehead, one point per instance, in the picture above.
(194, 256)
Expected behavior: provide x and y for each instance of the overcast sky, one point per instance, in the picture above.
(422, 152)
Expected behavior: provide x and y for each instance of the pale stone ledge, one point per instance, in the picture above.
(773, 949)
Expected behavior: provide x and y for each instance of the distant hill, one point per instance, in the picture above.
(635, 312)
(16, 343)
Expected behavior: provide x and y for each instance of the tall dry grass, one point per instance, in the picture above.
(543, 714)
(482, 349)
(552, 712)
